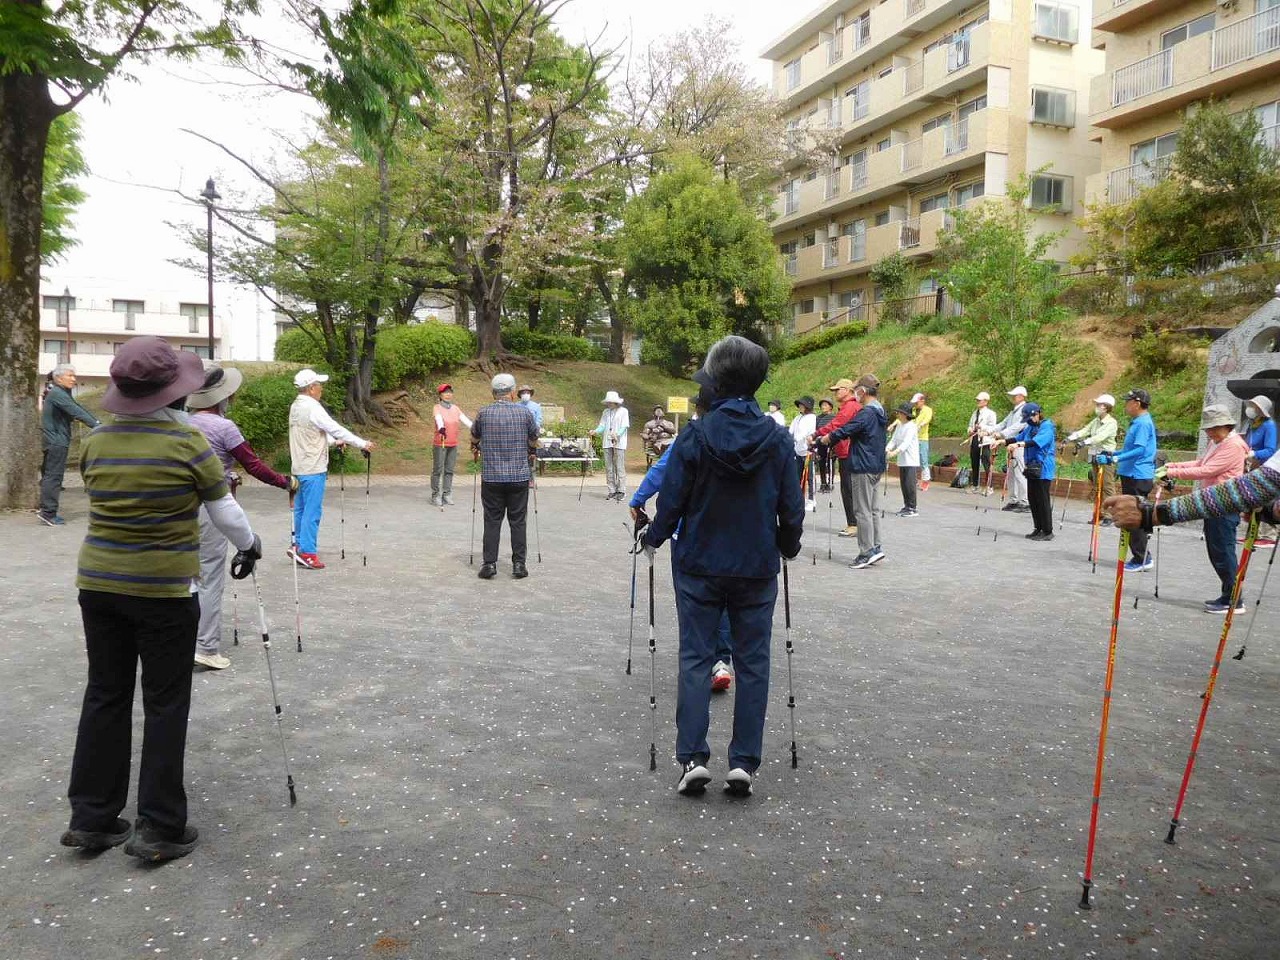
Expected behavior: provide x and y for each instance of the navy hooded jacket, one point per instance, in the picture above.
(733, 489)
(866, 433)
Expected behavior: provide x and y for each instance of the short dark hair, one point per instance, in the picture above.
(736, 365)
(870, 389)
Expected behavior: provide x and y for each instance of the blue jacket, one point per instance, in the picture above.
(1137, 460)
(866, 434)
(652, 481)
(1262, 439)
(1040, 447)
(732, 488)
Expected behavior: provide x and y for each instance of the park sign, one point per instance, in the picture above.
(677, 404)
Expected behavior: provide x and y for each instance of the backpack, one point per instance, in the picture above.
(950, 460)
(962, 477)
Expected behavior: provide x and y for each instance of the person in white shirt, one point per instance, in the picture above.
(614, 424)
(311, 432)
(981, 422)
(776, 414)
(904, 446)
(802, 426)
(1005, 431)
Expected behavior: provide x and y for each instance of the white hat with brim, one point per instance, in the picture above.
(983, 396)
(219, 386)
(1018, 391)
(305, 378)
(1263, 404)
(917, 398)
(1106, 398)
(1216, 415)
(612, 397)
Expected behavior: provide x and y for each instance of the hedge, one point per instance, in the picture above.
(403, 353)
(550, 346)
(820, 341)
(261, 410)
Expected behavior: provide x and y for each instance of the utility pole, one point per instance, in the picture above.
(210, 194)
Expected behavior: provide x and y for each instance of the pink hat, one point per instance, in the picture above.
(148, 374)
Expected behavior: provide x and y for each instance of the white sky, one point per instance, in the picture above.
(137, 154)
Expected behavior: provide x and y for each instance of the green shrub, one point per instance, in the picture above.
(295, 346)
(403, 354)
(261, 411)
(826, 338)
(1094, 293)
(1157, 355)
(550, 346)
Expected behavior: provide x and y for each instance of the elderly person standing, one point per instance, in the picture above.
(904, 446)
(1224, 459)
(1136, 465)
(1038, 446)
(444, 450)
(147, 476)
(847, 397)
(504, 434)
(803, 424)
(311, 432)
(866, 435)
(614, 423)
(731, 488)
(525, 394)
(922, 414)
(55, 433)
(208, 407)
(1099, 436)
(1015, 465)
(982, 423)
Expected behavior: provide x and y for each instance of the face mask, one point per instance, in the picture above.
(1100, 410)
(1251, 412)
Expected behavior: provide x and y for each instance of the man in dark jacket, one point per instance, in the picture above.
(731, 486)
(866, 465)
(55, 427)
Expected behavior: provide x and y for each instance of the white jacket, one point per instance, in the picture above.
(311, 432)
(802, 427)
(905, 444)
(614, 424)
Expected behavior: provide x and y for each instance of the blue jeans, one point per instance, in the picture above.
(925, 475)
(724, 646)
(1220, 542)
(702, 602)
(308, 504)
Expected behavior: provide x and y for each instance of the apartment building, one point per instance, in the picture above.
(1165, 56)
(87, 325)
(899, 111)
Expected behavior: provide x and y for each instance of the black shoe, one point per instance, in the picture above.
(488, 571)
(1023, 507)
(694, 779)
(1034, 535)
(518, 570)
(91, 841)
(1046, 537)
(149, 844)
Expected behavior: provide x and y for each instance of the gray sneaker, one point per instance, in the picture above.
(435, 502)
(448, 500)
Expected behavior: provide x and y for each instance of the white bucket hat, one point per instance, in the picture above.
(917, 398)
(1264, 404)
(612, 397)
(1216, 415)
(305, 378)
(1106, 398)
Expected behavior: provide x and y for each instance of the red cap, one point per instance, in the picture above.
(443, 387)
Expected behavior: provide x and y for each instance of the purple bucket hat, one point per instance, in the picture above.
(148, 374)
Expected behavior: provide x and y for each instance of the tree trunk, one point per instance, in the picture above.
(26, 113)
(617, 328)
(535, 309)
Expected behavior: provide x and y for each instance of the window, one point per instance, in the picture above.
(1053, 107)
(793, 74)
(927, 285)
(939, 201)
(1269, 121)
(969, 192)
(55, 346)
(1048, 191)
(62, 307)
(810, 175)
(885, 72)
(882, 218)
(878, 293)
(200, 351)
(935, 123)
(808, 240)
(195, 313)
(860, 29)
(885, 144)
(973, 106)
(789, 248)
(806, 306)
(130, 309)
(1188, 30)
(51, 303)
(1059, 22)
(849, 300)
(1151, 151)
(859, 98)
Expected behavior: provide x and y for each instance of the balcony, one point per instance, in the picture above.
(853, 254)
(893, 24)
(1242, 52)
(98, 317)
(1125, 183)
(1114, 16)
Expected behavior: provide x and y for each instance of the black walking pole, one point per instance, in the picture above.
(235, 619)
(653, 680)
(475, 486)
(342, 503)
(537, 533)
(635, 559)
(368, 471)
(791, 690)
(1253, 617)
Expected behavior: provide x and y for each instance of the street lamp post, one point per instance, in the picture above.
(210, 194)
(66, 313)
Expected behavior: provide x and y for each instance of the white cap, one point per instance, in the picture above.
(612, 397)
(1263, 403)
(983, 396)
(1019, 390)
(1106, 398)
(917, 398)
(503, 383)
(305, 378)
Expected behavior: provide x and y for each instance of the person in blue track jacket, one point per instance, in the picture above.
(1136, 467)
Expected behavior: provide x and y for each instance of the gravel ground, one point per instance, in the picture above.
(473, 776)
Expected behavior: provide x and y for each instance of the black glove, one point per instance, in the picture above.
(642, 521)
(365, 453)
(243, 562)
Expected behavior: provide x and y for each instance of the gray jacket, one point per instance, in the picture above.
(55, 420)
(1012, 424)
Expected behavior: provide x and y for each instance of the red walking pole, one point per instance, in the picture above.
(1106, 716)
(1246, 554)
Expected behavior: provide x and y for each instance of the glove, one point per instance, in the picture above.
(1105, 459)
(365, 453)
(641, 520)
(293, 484)
(440, 433)
(243, 562)
(1162, 471)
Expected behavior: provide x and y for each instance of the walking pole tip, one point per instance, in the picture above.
(1084, 895)
(1173, 826)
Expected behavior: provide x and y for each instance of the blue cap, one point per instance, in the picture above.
(1028, 410)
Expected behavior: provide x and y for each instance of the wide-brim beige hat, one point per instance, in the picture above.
(612, 397)
(1216, 415)
(219, 384)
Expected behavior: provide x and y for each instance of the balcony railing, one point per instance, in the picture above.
(958, 53)
(1250, 37)
(791, 264)
(857, 247)
(859, 176)
(909, 234)
(861, 107)
(956, 139)
(1270, 136)
(1142, 78)
(912, 77)
(832, 189)
(791, 203)
(912, 154)
(831, 253)
(835, 50)
(1125, 183)
(911, 7)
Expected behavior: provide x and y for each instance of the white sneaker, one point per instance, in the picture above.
(721, 678)
(738, 783)
(214, 661)
(694, 779)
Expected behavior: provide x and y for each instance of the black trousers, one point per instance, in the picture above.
(52, 469)
(1137, 538)
(823, 458)
(907, 479)
(118, 632)
(979, 460)
(1040, 499)
(512, 501)
(846, 491)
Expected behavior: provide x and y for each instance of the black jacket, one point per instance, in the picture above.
(731, 482)
(59, 411)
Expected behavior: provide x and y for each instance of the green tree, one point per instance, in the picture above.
(896, 276)
(63, 166)
(994, 263)
(701, 265)
(53, 56)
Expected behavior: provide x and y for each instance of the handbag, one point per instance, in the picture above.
(1033, 471)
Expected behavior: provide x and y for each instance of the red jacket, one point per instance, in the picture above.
(848, 410)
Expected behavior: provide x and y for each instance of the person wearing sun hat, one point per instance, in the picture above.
(146, 475)
(614, 423)
(208, 407)
(803, 424)
(444, 451)
(1099, 436)
(525, 397)
(904, 447)
(1005, 432)
(1136, 466)
(311, 432)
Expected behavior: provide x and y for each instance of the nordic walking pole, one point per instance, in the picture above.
(653, 681)
(1097, 515)
(342, 503)
(235, 618)
(583, 482)
(635, 559)
(293, 543)
(1253, 617)
(475, 486)
(275, 698)
(1159, 491)
(368, 472)
(1106, 716)
(1250, 544)
(537, 533)
(791, 690)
